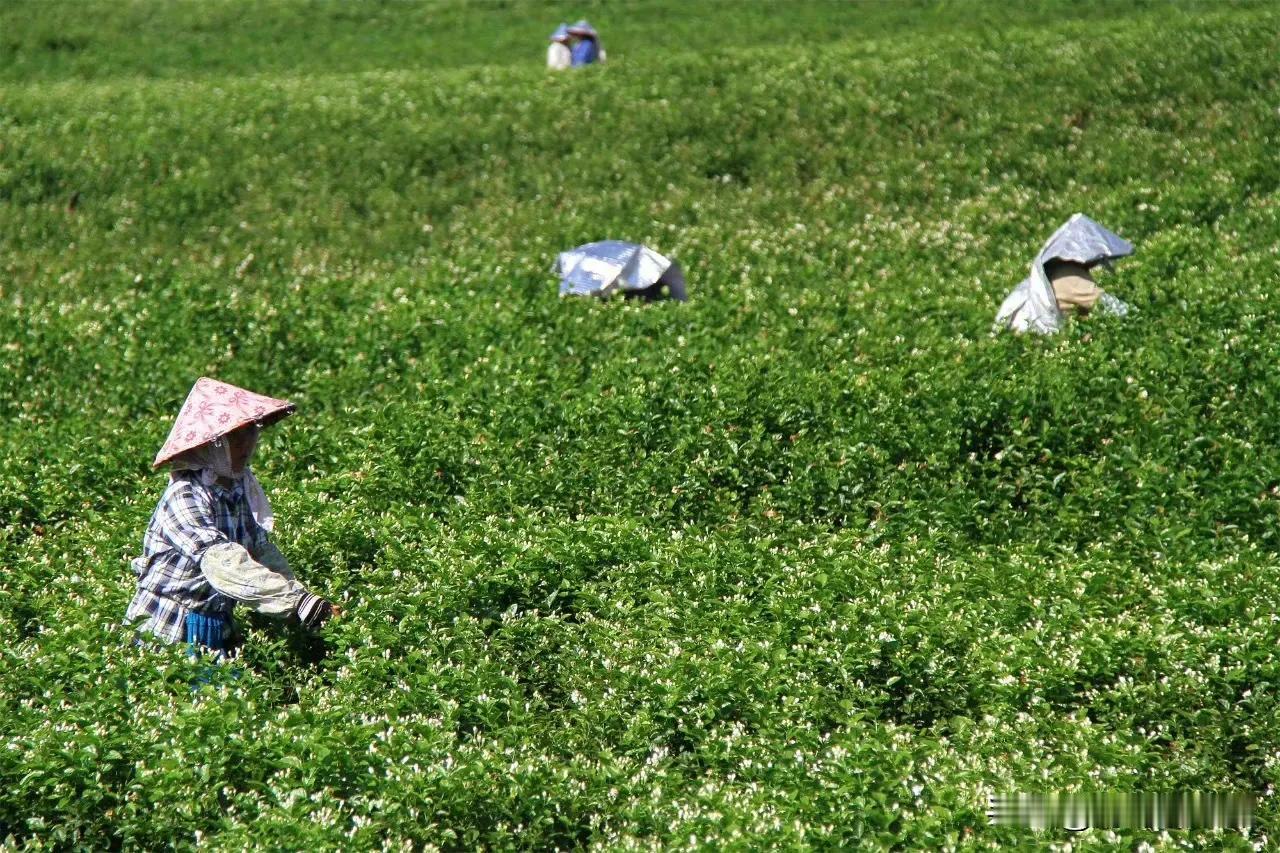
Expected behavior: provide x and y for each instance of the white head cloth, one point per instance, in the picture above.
(213, 461)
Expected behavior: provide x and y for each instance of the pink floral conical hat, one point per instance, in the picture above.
(214, 409)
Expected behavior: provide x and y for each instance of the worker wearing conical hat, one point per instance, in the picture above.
(207, 547)
(587, 50)
(1061, 280)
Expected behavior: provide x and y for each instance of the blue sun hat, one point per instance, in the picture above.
(561, 33)
(600, 269)
(582, 28)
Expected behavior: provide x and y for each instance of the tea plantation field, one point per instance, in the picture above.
(812, 560)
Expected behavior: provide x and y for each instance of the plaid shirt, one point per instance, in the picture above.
(194, 514)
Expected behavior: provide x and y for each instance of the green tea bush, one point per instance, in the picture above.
(812, 560)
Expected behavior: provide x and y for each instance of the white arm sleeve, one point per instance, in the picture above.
(231, 571)
(269, 555)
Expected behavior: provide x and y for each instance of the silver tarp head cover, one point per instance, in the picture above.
(598, 269)
(1085, 242)
(1032, 306)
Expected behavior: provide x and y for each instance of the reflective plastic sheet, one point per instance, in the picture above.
(597, 269)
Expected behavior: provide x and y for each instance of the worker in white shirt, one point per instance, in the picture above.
(558, 54)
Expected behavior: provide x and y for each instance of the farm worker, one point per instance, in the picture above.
(558, 53)
(207, 545)
(1073, 286)
(587, 50)
(1061, 280)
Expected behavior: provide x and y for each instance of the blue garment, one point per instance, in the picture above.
(206, 632)
(209, 633)
(585, 52)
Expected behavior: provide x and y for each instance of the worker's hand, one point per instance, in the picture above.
(313, 611)
(336, 612)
